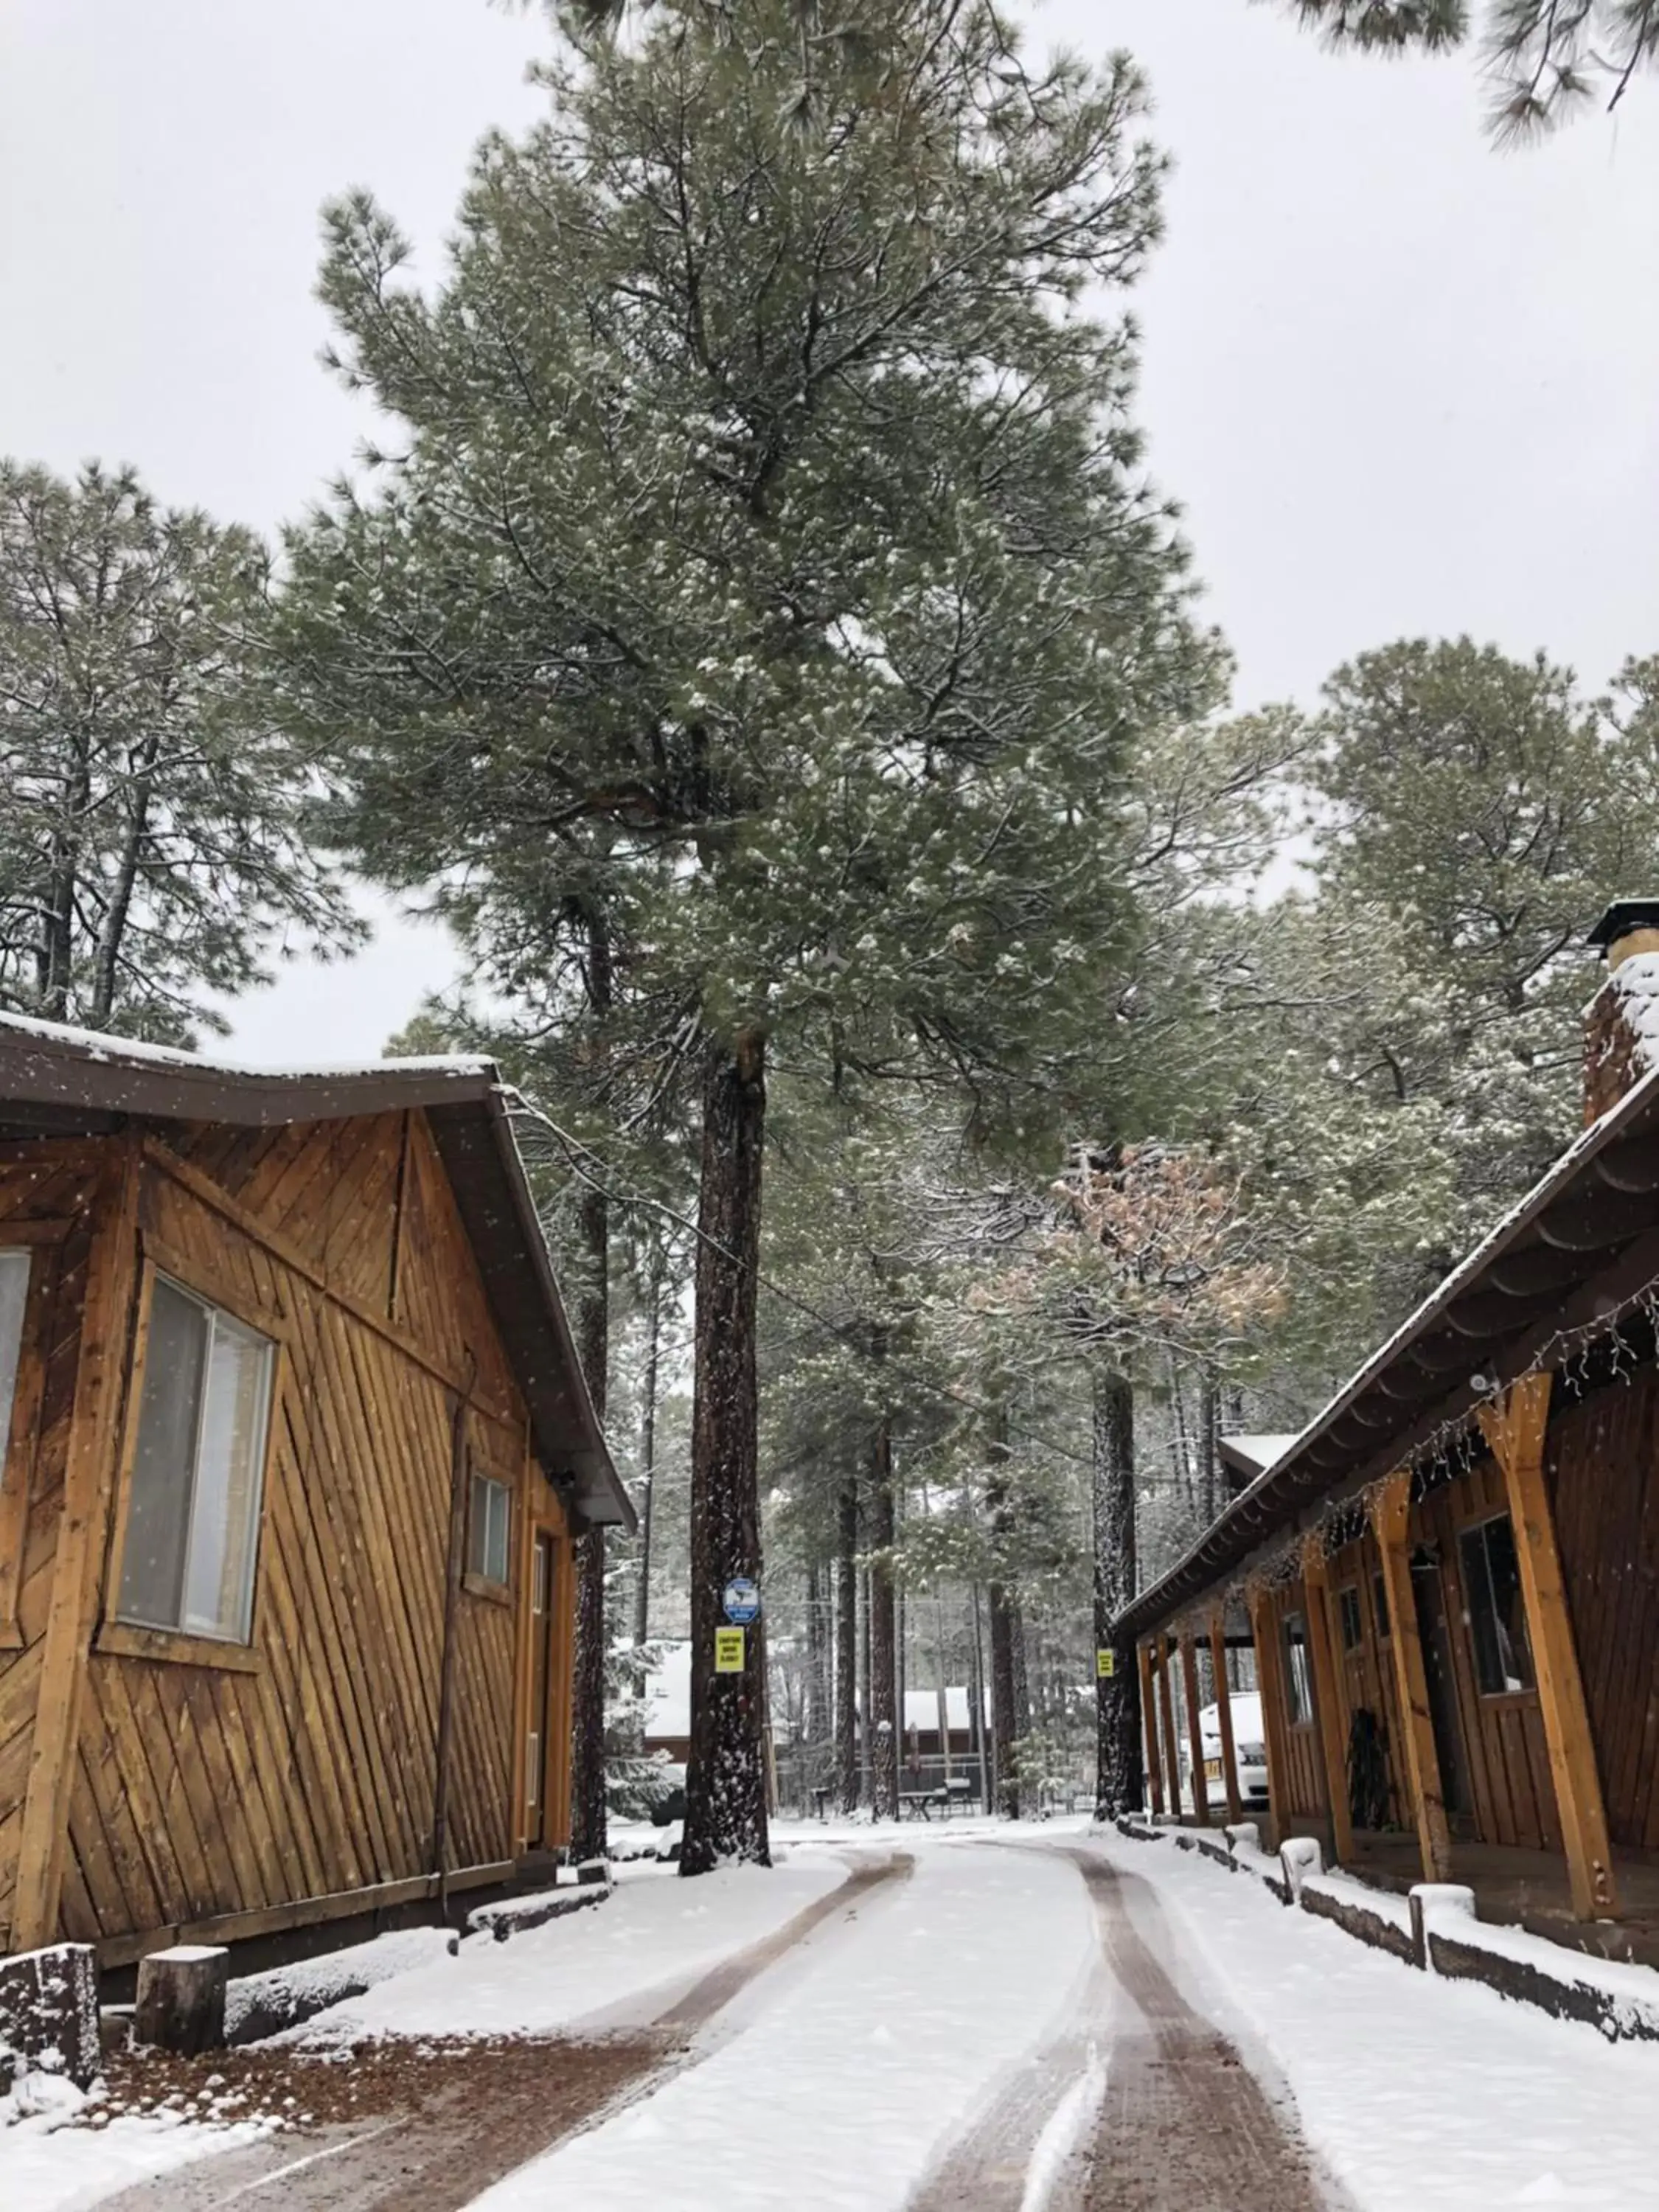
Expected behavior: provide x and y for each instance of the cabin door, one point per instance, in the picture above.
(1434, 1630)
(541, 1684)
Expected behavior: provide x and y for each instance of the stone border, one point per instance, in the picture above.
(1437, 1931)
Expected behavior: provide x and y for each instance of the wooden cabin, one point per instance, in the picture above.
(294, 1445)
(1450, 1578)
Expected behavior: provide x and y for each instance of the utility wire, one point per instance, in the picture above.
(575, 1152)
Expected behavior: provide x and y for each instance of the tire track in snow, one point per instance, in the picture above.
(442, 2157)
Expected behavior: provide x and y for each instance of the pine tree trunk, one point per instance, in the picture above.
(846, 1647)
(1003, 1730)
(864, 1686)
(588, 1837)
(648, 1461)
(984, 1752)
(1118, 1785)
(884, 1622)
(1209, 1445)
(815, 1711)
(725, 1781)
(1022, 1671)
(1000, 1599)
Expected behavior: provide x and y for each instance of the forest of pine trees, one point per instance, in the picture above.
(968, 1064)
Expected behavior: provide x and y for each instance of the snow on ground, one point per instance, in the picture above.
(47, 2166)
(841, 2075)
(1419, 2093)
(656, 1935)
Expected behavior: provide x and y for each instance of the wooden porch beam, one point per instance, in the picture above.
(1225, 1718)
(1514, 1429)
(1194, 1733)
(1270, 1682)
(1149, 1726)
(1421, 1762)
(1166, 1707)
(1328, 1697)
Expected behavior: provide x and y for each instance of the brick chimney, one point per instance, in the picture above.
(1621, 1024)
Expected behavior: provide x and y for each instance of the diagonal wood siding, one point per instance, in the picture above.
(205, 1790)
(40, 1182)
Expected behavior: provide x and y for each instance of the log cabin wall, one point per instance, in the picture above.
(1602, 1465)
(240, 1781)
(1305, 1789)
(1367, 1664)
(1510, 1796)
(45, 1193)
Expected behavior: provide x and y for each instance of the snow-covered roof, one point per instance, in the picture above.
(668, 1695)
(1635, 984)
(1252, 1453)
(101, 1045)
(667, 1700)
(921, 1711)
(59, 1080)
(1551, 1264)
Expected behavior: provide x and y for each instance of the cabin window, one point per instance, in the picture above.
(1298, 1682)
(193, 1513)
(1380, 1605)
(1347, 1603)
(487, 1540)
(1497, 1614)
(14, 1297)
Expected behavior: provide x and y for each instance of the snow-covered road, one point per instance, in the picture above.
(961, 2026)
(834, 2082)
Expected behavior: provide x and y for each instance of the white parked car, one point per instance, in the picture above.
(1250, 1751)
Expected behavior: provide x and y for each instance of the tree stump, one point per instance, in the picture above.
(181, 1998)
(49, 2012)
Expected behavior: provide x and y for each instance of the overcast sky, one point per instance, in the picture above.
(1402, 384)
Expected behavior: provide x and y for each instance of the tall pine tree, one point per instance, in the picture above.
(767, 506)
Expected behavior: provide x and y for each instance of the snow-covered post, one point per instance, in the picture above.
(181, 1998)
(1300, 1856)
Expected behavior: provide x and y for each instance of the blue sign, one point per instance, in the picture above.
(741, 1599)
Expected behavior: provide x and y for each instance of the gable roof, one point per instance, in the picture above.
(1582, 1244)
(59, 1080)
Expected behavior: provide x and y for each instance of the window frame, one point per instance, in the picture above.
(478, 1583)
(187, 1646)
(1350, 1611)
(1298, 1681)
(19, 1442)
(1466, 1533)
(1380, 1614)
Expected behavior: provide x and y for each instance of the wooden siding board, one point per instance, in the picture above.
(198, 1792)
(365, 1694)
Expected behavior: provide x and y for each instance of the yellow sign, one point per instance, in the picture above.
(1105, 1665)
(728, 1651)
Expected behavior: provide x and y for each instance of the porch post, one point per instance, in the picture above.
(1166, 1706)
(1270, 1683)
(1514, 1429)
(1421, 1765)
(1194, 1733)
(1224, 1714)
(1328, 1698)
(1149, 1724)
